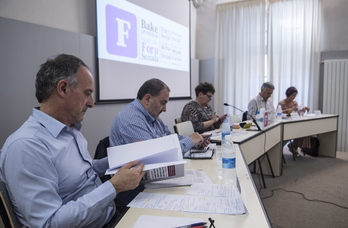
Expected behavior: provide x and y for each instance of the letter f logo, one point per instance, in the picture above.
(121, 32)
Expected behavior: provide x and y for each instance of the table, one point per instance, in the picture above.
(251, 146)
(256, 216)
(325, 127)
(272, 139)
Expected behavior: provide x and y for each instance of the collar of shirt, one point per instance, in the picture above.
(141, 108)
(51, 124)
(260, 98)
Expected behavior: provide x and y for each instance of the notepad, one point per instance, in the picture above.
(205, 153)
(200, 154)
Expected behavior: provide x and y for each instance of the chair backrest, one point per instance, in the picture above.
(178, 120)
(8, 215)
(184, 128)
(100, 151)
(235, 119)
(245, 116)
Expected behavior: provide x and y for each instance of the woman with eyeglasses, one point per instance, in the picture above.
(199, 112)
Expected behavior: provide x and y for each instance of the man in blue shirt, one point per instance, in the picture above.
(140, 119)
(50, 176)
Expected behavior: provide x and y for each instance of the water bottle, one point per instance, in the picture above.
(260, 120)
(228, 161)
(279, 113)
(230, 122)
(225, 130)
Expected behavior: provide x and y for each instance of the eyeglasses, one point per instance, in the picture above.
(209, 96)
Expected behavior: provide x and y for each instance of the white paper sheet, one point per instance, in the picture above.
(158, 201)
(214, 205)
(191, 176)
(233, 204)
(204, 189)
(154, 151)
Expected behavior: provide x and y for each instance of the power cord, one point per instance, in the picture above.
(299, 193)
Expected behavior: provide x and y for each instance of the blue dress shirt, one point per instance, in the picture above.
(134, 124)
(51, 178)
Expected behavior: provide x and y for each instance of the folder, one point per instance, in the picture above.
(162, 157)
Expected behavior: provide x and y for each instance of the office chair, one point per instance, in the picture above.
(178, 120)
(7, 213)
(184, 128)
(245, 116)
(101, 152)
(122, 198)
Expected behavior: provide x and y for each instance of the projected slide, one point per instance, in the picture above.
(130, 34)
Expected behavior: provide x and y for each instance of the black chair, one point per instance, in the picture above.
(101, 152)
(122, 198)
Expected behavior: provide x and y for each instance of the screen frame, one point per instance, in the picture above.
(116, 101)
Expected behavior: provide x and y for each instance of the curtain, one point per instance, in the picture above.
(294, 49)
(239, 56)
(276, 41)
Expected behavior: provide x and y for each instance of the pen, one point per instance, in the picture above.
(198, 224)
(194, 225)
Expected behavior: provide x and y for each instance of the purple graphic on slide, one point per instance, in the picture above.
(121, 32)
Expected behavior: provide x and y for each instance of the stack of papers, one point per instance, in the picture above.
(201, 198)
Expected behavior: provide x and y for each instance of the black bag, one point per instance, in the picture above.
(313, 150)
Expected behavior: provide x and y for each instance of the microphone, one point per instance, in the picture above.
(258, 127)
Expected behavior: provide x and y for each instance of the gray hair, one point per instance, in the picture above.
(268, 85)
(52, 71)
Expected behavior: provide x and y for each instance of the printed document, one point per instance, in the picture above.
(162, 157)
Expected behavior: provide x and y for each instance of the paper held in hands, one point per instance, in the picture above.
(162, 157)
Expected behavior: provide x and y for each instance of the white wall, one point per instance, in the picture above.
(79, 16)
(334, 31)
(76, 16)
(70, 15)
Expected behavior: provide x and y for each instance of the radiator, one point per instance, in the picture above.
(335, 94)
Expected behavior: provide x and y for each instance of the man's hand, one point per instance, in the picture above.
(197, 139)
(206, 141)
(306, 109)
(127, 178)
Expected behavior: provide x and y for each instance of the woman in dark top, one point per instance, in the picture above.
(199, 112)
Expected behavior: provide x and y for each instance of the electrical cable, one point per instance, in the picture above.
(299, 193)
